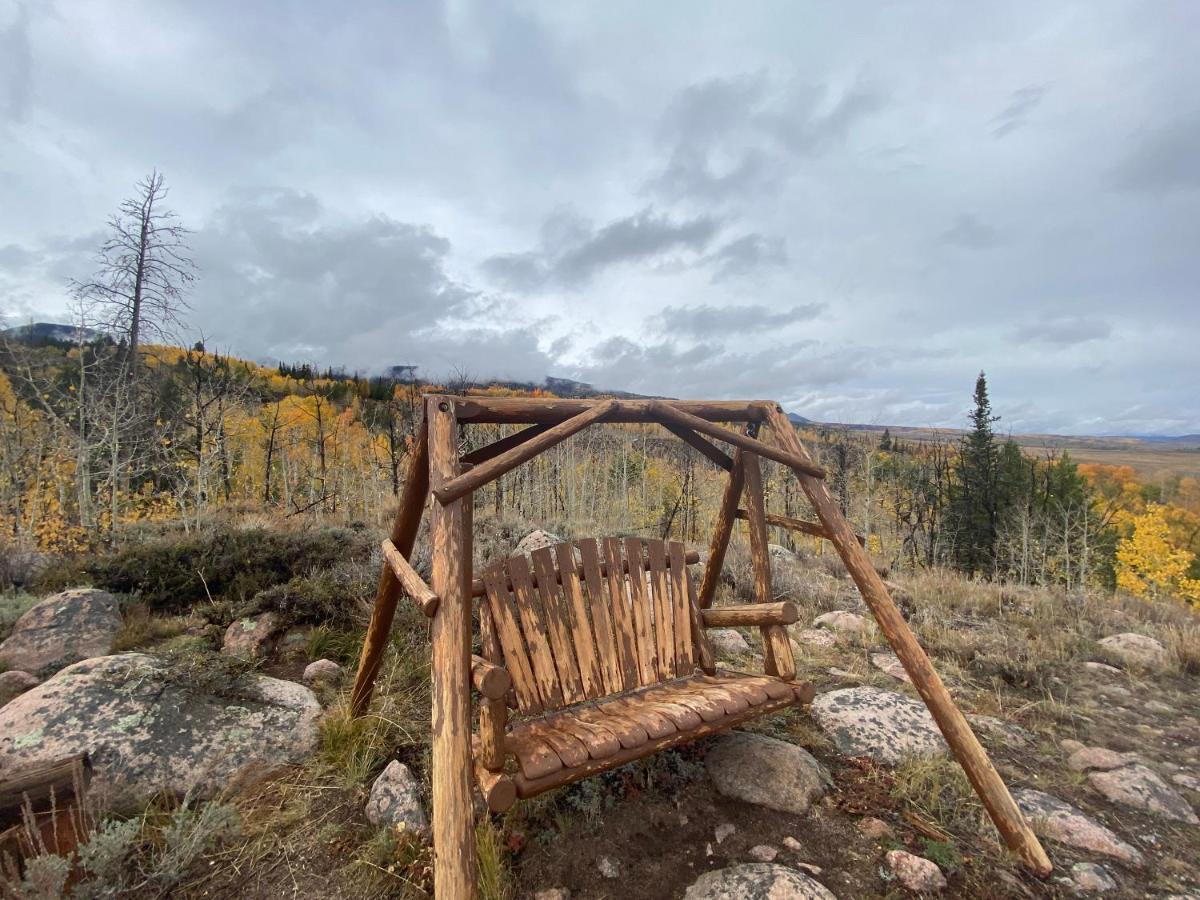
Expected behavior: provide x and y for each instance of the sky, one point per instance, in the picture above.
(851, 207)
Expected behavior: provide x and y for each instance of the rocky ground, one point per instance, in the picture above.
(1088, 705)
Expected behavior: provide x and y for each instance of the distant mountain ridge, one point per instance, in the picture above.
(51, 331)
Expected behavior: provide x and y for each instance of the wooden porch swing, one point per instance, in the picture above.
(600, 645)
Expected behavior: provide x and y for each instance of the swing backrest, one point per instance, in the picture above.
(590, 618)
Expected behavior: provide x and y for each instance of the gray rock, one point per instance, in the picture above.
(14, 683)
(724, 830)
(323, 670)
(536, 540)
(757, 881)
(1059, 821)
(728, 642)
(765, 771)
(1184, 780)
(149, 729)
(920, 875)
(251, 638)
(1091, 877)
(842, 621)
(554, 893)
(814, 637)
(1070, 745)
(1140, 788)
(1087, 758)
(787, 568)
(1000, 730)
(869, 721)
(889, 664)
(763, 853)
(62, 629)
(609, 867)
(1136, 649)
(395, 799)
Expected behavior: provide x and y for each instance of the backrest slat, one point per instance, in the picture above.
(602, 620)
(684, 660)
(639, 599)
(559, 619)
(622, 613)
(533, 625)
(504, 623)
(581, 623)
(664, 614)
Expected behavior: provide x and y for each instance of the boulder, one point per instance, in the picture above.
(1087, 758)
(918, 874)
(1136, 649)
(251, 637)
(763, 853)
(14, 683)
(787, 568)
(1183, 779)
(536, 540)
(814, 637)
(322, 671)
(1000, 730)
(149, 728)
(1138, 787)
(765, 771)
(727, 642)
(395, 799)
(1091, 877)
(757, 881)
(869, 721)
(841, 621)
(889, 664)
(62, 629)
(875, 829)
(1059, 821)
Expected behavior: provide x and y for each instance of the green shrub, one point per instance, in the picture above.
(328, 597)
(12, 607)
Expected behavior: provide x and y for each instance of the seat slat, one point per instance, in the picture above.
(733, 702)
(685, 709)
(663, 611)
(535, 757)
(602, 625)
(775, 688)
(629, 730)
(599, 740)
(622, 615)
(684, 660)
(559, 620)
(755, 693)
(709, 704)
(533, 626)
(642, 626)
(644, 716)
(516, 660)
(581, 624)
(569, 748)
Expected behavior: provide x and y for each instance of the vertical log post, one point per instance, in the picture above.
(721, 532)
(966, 747)
(404, 535)
(453, 814)
(777, 650)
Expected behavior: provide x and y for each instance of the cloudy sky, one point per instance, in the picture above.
(851, 207)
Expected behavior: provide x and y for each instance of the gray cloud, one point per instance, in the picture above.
(747, 254)
(1165, 159)
(16, 64)
(1021, 105)
(967, 231)
(713, 322)
(1063, 331)
(572, 252)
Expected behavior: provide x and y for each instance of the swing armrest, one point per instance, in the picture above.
(492, 681)
(743, 614)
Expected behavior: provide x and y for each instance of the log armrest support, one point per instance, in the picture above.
(412, 583)
(749, 614)
(492, 681)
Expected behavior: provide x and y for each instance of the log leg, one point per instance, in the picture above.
(966, 747)
(453, 814)
(404, 535)
(722, 531)
(777, 650)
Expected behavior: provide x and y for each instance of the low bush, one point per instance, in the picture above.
(12, 607)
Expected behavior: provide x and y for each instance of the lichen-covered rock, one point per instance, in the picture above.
(147, 729)
(251, 637)
(814, 637)
(999, 730)
(765, 771)
(787, 570)
(916, 873)
(322, 671)
(869, 721)
(1059, 821)
(757, 881)
(62, 629)
(395, 799)
(14, 683)
(1136, 649)
(536, 540)
(1087, 758)
(727, 642)
(889, 664)
(842, 621)
(1091, 877)
(1138, 787)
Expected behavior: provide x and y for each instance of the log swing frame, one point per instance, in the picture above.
(436, 470)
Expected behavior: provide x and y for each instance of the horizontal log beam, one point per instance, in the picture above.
(816, 529)
(412, 583)
(665, 412)
(491, 680)
(478, 590)
(56, 782)
(713, 454)
(784, 612)
(495, 448)
(498, 790)
(460, 486)
(531, 410)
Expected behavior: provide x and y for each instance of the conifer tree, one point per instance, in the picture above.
(975, 505)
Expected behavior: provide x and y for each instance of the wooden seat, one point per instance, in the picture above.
(608, 660)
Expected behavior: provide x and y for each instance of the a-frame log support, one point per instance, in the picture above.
(965, 746)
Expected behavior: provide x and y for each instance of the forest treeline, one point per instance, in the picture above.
(121, 427)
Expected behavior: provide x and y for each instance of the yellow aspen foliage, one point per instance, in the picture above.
(1149, 565)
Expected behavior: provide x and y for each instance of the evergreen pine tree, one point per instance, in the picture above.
(885, 442)
(975, 506)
